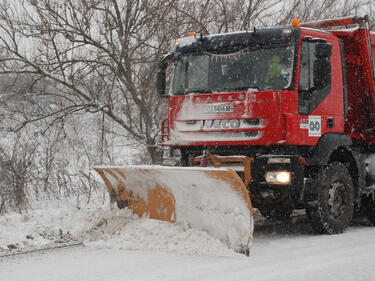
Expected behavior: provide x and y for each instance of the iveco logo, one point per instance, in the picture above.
(220, 124)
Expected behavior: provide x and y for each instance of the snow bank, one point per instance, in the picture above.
(55, 223)
(108, 227)
(122, 230)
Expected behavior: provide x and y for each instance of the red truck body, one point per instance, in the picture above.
(304, 117)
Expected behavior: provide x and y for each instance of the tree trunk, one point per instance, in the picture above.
(156, 154)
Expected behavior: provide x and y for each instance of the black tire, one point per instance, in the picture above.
(368, 204)
(276, 212)
(331, 209)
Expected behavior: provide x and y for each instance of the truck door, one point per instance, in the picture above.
(320, 99)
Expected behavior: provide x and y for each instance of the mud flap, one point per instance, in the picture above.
(214, 200)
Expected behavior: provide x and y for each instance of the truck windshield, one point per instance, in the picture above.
(262, 69)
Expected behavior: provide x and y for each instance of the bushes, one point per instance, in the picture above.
(15, 173)
(36, 166)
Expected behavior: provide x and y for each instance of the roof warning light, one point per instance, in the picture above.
(296, 22)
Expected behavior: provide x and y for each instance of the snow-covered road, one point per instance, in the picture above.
(288, 252)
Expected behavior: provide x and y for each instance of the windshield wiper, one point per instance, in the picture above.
(203, 90)
(239, 88)
(197, 91)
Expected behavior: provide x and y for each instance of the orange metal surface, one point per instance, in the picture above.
(108, 184)
(227, 162)
(160, 199)
(161, 203)
(203, 198)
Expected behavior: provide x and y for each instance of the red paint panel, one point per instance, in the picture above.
(360, 83)
(246, 105)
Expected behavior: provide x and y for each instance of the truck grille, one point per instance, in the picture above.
(219, 136)
(214, 125)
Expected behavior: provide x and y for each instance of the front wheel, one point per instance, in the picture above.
(331, 209)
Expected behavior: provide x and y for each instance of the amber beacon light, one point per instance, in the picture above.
(296, 22)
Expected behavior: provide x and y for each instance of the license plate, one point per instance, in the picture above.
(217, 108)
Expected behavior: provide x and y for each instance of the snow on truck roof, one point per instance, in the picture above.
(271, 35)
(241, 39)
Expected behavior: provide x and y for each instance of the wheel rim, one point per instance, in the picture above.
(337, 200)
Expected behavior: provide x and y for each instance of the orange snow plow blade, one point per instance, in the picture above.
(214, 200)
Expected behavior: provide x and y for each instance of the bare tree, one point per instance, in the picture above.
(371, 13)
(310, 10)
(101, 55)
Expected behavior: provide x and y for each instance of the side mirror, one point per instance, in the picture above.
(160, 84)
(322, 65)
(161, 75)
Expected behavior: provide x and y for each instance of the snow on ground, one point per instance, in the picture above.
(118, 246)
(280, 252)
(54, 223)
(106, 227)
(125, 231)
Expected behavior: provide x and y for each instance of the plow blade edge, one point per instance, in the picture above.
(214, 200)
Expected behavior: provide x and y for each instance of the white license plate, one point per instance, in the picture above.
(215, 108)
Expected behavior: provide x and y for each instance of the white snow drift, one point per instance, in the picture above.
(102, 228)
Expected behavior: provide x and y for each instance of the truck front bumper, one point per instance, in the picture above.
(277, 179)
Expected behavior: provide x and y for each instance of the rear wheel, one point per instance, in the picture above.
(331, 209)
(276, 212)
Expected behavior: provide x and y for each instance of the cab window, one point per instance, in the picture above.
(315, 74)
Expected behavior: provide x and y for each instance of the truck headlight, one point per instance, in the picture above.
(278, 177)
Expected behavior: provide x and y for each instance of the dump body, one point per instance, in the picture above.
(359, 80)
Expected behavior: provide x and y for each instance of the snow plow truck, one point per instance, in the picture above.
(282, 115)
